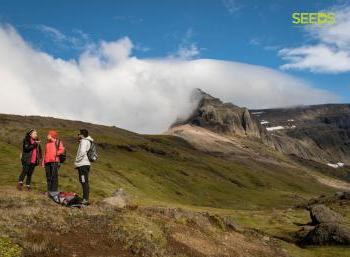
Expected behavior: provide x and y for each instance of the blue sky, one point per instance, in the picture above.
(150, 48)
(245, 31)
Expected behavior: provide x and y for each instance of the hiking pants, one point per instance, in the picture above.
(27, 171)
(84, 180)
(51, 170)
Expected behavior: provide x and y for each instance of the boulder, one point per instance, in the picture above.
(327, 234)
(322, 214)
(118, 200)
(344, 196)
(327, 230)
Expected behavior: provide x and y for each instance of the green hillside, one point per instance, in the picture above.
(158, 168)
(185, 202)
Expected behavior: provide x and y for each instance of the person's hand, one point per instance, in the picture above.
(38, 142)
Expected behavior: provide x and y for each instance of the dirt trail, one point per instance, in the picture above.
(335, 183)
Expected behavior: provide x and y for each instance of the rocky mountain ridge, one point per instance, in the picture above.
(320, 133)
(225, 118)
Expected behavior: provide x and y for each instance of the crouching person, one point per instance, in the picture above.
(31, 157)
(82, 163)
(53, 150)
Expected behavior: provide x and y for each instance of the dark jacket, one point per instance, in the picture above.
(28, 149)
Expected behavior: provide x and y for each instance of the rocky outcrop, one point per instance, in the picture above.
(224, 118)
(328, 234)
(327, 228)
(119, 199)
(322, 214)
(318, 132)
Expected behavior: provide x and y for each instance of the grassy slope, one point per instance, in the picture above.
(158, 168)
(167, 170)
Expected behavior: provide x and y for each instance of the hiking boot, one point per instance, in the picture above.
(20, 186)
(85, 202)
(29, 188)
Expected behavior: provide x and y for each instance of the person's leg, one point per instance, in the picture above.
(48, 176)
(29, 175)
(52, 185)
(86, 186)
(84, 180)
(54, 181)
(22, 175)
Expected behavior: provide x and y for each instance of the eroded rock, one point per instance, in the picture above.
(119, 199)
(328, 234)
(322, 214)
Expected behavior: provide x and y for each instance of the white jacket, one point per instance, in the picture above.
(82, 158)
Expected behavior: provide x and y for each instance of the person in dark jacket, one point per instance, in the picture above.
(31, 157)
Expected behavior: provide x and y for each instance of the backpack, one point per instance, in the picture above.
(62, 157)
(92, 153)
(69, 199)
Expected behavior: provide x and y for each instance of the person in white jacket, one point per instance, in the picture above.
(83, 164)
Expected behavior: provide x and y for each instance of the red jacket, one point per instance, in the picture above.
(52, 151)
(33, 159)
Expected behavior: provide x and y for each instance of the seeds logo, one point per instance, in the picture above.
(315, 18)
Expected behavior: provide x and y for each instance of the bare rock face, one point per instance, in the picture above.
(224, 118)
(317, 132)
(327, 230)
(320, 133)
(328, 234)
(344, 195)
(322, 214)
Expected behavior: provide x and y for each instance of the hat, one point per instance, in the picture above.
(53, 133)
(30, 132)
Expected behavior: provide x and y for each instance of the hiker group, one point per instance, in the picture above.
(52, 157)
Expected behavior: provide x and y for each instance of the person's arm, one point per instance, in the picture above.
(82, 150)
(28, 147)
(60, 149)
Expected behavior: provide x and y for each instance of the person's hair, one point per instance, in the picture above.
(84, 132)
(29, 132)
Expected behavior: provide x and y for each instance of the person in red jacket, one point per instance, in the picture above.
(53, 149)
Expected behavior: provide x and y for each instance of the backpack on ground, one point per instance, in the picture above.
(92, 153)
(62, 157)
(70, 199)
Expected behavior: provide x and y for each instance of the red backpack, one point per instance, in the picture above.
(69, 199)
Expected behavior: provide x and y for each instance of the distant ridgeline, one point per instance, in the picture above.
(320, 132)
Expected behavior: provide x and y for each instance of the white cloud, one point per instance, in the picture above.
(254, 42)
(232, 6)
(330, 53)
(108, 85)
(317, 58)
(78, 40)
(187, 52)
(55, 33)
(187, 49)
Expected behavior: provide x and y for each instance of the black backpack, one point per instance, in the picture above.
(92, 153)
(62, 156)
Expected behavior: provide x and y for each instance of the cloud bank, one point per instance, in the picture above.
(330, 53)
(108, 85)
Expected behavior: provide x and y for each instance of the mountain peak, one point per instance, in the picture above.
(223, 118)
